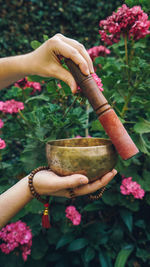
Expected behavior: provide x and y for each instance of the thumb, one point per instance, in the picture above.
(66, 76)
(72, 181)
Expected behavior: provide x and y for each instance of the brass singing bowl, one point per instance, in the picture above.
(92, 157)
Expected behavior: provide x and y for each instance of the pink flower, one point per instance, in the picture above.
(1, 105)
(73, 215)
(11, 106)
(59, 85)
(131, 21)
(35, 85)
(1, 123)
(97, 51)
(16, 235)
(24, 83)
(98, 81)
(21, 83)
(129, 187)
(78, 136)
(2, 144)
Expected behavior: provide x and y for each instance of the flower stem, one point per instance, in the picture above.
(24, 118)
(126, 49)
(70, 107)
(125, 107)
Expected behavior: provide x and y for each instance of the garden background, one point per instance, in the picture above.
(115, 230)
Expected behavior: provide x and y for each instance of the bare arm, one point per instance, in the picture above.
(44, 61)
(46, 183)
(13, 69)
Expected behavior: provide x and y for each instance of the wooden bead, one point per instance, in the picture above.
(30, 182)
(98, 196)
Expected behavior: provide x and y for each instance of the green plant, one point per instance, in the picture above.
(114, 231)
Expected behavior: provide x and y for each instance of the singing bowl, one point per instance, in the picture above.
(92, 157)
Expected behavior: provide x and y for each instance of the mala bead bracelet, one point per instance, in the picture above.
(99, 195)
(45, 201)
(45, 217)
(30, 182)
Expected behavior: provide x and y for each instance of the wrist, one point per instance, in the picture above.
(24, 182)
(27, 64)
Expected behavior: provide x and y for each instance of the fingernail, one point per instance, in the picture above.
(114, 172)
(92, 70)
(87, 72)
(83, 180)
(73, 89)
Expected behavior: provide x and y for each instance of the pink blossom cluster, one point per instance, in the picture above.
(24, 83)
(79, 136)
(1, 123)
(98, 81)
(11, 106)
(2, 144)
(16, 235)
(73, 215)
(131, 21)
(129, 187)
(97, 51)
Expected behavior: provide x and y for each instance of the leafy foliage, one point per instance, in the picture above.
(115, 230)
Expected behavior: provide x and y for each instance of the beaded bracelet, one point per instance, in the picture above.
(45, 216)
(99, 195)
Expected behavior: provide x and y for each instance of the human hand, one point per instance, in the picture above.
(48, 183)
(44, 61)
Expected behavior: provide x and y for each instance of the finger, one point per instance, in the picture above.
(92, 187)
(68, 51)
(81, 50)
(71, 181)
(65, 76)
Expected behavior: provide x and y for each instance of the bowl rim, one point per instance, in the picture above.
(81, 147)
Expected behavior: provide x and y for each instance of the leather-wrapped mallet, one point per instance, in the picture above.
(106, 115)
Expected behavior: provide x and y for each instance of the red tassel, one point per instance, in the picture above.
(45, 217)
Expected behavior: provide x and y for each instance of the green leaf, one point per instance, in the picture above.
(143, 126)
(142, 145)
(129, 202)
(65, 239)
(35, 44)
(3, 188)
(110, 198)
(45, 37)
(89, 254)
(39, 247)
(145, 182)
(34, 206)
(139, 45)
(141, 224)
(147, 198)
(78, 244)
(53, 235)
(96, 126)
(38, 97)
(35, 78)
(142, 253)
(123, 256)
(126, 216)
(104, 259)
(92, 207)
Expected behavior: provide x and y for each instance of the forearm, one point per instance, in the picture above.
(13, 200)
(14, 68)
